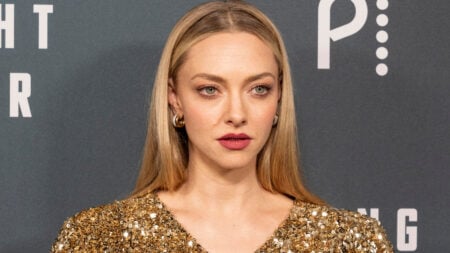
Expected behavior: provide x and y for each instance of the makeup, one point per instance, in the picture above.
(235, 141)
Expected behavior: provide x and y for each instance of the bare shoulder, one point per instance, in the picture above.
(339, 229)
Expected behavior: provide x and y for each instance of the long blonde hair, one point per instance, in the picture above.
(165, 158)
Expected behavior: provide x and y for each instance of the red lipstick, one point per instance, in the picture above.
(235, 141)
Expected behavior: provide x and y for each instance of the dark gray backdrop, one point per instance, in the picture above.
(368, 141)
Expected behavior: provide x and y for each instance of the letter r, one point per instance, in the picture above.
(19, 94)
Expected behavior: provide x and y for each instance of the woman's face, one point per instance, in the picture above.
(227, 90)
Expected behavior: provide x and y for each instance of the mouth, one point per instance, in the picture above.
(235, 141)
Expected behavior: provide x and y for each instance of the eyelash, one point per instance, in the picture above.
(266, 87)
(202, 90)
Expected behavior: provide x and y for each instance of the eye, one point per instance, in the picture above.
(261, 90)
(208, 90)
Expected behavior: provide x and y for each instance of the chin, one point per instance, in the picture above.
(236, 164)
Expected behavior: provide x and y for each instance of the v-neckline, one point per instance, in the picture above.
(265, 244)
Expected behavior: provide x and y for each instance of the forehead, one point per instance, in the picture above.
(230, 52)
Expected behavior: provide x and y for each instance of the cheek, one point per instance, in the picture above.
(265, 111)
(265, 116)
(198, 116)
(262, 118)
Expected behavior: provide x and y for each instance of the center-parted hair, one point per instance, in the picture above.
(166, 155)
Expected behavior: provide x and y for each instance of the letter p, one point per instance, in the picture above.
(325, 33)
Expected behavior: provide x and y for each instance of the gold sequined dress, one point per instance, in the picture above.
(144, 224)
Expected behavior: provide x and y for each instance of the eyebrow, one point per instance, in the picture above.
(219, 79)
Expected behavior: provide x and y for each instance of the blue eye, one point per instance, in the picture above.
(261, 90)
(208, 90)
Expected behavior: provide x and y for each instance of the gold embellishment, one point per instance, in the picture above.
(145, 225)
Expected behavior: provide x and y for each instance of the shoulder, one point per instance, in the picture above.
(102, 227)
(328, 227)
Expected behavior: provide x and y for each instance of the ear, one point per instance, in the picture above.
(173, 99)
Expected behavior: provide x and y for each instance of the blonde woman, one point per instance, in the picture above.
(220, 165)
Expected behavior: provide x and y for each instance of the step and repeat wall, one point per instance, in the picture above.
(372, 95)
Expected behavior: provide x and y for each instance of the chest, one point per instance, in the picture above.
(231, 235)
(166, 235)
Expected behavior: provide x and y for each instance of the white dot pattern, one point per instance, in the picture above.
(382, 20)
(382, 53)
(382, 36)
(382, 69)
(382, 4)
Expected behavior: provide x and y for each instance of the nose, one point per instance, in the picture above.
(236, 111)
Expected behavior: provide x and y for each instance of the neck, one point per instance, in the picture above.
(221, 189)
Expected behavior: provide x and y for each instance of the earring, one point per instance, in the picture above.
(178, 122)
(275, 120)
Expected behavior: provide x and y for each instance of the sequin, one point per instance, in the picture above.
(145, 225)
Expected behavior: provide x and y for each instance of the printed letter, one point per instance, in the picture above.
(19, 92)
(7, 25)
(43, 10)
(406, 235)
(325, 34)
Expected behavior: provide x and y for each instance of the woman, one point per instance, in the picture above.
(220, 165)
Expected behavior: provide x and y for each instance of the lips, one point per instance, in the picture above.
(235, 141)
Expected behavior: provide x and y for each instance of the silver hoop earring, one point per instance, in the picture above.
(178, 122)
(275, 120)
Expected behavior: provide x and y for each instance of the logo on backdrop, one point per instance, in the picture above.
(20, 83)
(406, 233)
(326, 34)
